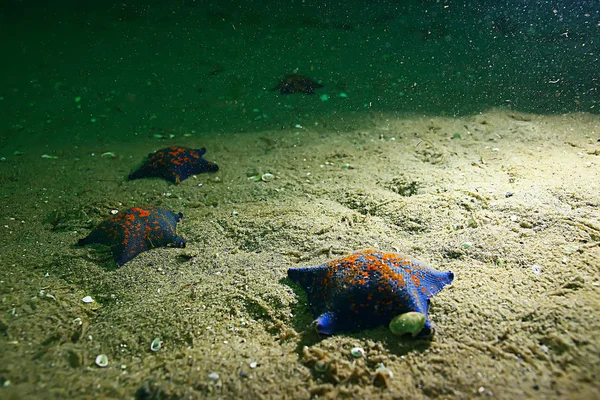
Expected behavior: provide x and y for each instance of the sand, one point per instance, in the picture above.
(507, 200)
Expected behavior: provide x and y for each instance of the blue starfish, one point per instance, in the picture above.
(136, 230)
(174, 164)
(367, 289)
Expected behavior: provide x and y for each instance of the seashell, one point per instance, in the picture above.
(410, 322)
(267, 177)
(102, 360)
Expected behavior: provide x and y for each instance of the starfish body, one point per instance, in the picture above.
(133, 231)
(367, 289)
(174, 164)
(297, 84)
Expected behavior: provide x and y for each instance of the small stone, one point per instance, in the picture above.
(253, 365)
(213, 376)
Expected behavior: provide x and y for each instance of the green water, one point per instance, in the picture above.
(120, 71)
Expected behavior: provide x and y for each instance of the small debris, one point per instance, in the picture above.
(213, 376)
(253, 365)
(49, 157)
(382, 377)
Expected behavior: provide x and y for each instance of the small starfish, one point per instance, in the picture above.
(174, 164)
(297, 83)
(136, 230)
(367, 289)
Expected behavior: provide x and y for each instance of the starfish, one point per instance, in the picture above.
(367, 289)
(297, 83)
(174, 164)
(136, 230)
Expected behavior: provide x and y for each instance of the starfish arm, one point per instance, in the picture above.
(325, 323)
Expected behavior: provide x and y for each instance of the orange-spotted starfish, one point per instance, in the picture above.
(174, 164)
(367, 289)
(130, 232)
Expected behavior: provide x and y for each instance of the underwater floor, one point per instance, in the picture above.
(460, 147)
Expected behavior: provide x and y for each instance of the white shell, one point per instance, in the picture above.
(87, 299)
(267, 177)
(156, 344)
(102, 360)
(357, 352)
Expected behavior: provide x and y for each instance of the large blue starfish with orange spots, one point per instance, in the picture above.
(174, 164)
(130, 232)
(367, 289)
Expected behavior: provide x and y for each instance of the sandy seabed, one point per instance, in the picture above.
(509, 202)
